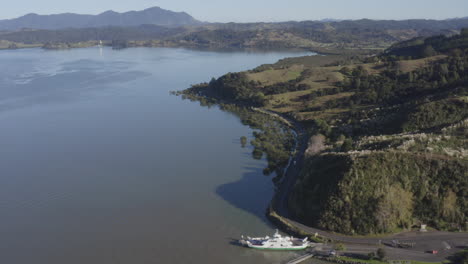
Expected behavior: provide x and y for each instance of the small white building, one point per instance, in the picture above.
(423, 228)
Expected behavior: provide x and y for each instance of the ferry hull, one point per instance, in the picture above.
(278, 249)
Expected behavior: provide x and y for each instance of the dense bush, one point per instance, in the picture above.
(421, 48)
(235, 87)
(433, 114)
(271, 137)
(392, 87)
(381, 192)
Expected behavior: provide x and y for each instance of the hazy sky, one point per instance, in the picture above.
(253, 10)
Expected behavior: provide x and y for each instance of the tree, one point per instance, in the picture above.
(341, 138)
(456, 76)
(381, 254)
(394, 209)
(345, 70)
(243, 141)
(347, 145)
(322, 127)
(443, 81)
(357, 83)
(464, 32)
(257, 153)
(443, 68)
(410, 77)
(340, 247)
(212, 82)
(259, 99)
(428, 51)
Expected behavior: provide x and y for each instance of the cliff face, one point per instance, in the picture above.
(382, 191)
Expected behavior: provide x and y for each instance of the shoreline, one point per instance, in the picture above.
(10, 45)
(278, 213)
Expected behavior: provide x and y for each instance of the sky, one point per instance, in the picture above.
(253, 10)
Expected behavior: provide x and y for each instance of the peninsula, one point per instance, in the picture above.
(382, 142)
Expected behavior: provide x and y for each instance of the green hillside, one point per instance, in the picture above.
(394, 129)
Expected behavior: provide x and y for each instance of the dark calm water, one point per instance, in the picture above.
(100, 164)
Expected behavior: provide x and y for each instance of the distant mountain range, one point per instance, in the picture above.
(157, 27)
(154, 16)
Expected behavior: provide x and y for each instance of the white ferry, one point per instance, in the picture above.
(277, 242)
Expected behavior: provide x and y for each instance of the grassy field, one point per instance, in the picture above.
(321, 74)
(411, 65)
(319, 77)
(272, 76)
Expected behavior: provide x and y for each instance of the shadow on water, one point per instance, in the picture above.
(253, 192)
(247, 193)
(234, 242)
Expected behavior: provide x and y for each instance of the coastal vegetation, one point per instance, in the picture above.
(273, 138)
(382, 192)
(393, 129)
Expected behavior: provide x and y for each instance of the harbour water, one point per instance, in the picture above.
(100, 164)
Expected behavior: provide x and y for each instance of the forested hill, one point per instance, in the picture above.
(389, 133)
(426, 47)
(153, 16)
(364, 35)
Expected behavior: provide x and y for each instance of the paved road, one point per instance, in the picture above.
(434, 240)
